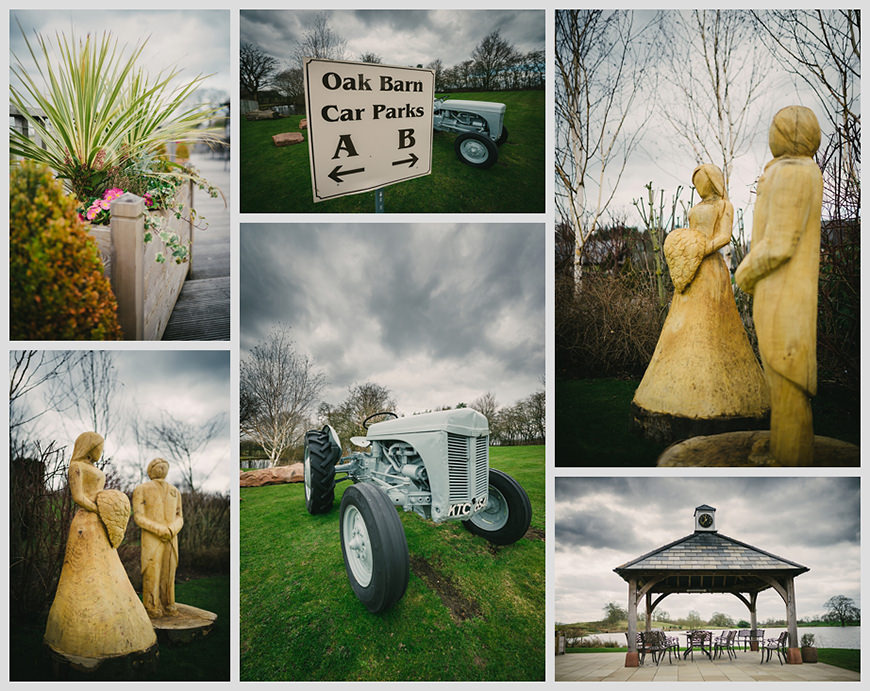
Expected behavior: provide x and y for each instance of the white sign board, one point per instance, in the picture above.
(368, 125)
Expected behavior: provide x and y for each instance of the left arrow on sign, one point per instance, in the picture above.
(337, 172)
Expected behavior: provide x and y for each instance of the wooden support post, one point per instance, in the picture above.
(794, 650)
(128, 263)
(631, 657)
(753, 619)
(648, 610)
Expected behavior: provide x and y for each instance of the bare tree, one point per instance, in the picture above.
(486, 405)
(492, 56)
(718, 71)
(373, 58)
(281, 387)
(92, 388)
(29, 372)
(255, 68)
(181, 440)
(290, 84)
(438, 68)
(320, 42)
(601, 67)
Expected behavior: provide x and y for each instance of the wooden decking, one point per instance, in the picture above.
(202, 312)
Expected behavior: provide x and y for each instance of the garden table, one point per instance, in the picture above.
(702, 640)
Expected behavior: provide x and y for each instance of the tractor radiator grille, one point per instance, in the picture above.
(481, 466)
(467, 467)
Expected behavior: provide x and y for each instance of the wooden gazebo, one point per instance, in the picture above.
(708, 562)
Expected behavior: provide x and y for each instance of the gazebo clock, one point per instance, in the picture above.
(705, 518)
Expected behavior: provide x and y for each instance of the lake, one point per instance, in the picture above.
(826, 636)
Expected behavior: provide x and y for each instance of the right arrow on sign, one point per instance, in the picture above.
(337, 172)
(410, 161)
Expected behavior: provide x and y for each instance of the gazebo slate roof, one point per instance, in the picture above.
(709, 551)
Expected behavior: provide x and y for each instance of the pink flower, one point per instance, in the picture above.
(113, 193)
(149, 201)
(102, 203)
(92, 212)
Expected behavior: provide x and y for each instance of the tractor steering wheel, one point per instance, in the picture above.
(374, 415)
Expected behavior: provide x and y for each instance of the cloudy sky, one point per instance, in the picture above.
(438, 313)
(196, 42)
(602, 523)
(400, 37)
(193, 386)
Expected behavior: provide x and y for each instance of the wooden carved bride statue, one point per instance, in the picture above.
(96, 614)
(703, 376)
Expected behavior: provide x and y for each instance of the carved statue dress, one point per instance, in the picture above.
(703, 367)
(96, 613)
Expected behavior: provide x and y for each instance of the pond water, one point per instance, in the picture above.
(826, 636)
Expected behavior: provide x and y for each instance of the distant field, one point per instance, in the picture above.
(278, 179)
(471, 612)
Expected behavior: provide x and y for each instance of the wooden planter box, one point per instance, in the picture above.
(146, 290)
(809, 653)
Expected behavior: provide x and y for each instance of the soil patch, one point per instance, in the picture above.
(460, 607)
(535, 534)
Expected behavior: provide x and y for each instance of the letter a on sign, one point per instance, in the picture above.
(369, 150)
(345, 144)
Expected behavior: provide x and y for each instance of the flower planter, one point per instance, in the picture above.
(809, 653)
(146, 290)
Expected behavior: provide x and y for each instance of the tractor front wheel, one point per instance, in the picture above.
(373, 546)
(321, 454)
(476, 150)
(507, 514)
(502, 137)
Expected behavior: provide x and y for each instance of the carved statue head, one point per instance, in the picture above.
(794, 132)
(708, 179)
(88, 447)
(158, 469)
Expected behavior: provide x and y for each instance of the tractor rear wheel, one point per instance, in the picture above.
(321, 455)
(507, 514)
(476, 150)
(373, 546)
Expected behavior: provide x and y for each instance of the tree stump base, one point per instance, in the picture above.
(740, 449)
(664, 428)
(138, 666)
(189, 624)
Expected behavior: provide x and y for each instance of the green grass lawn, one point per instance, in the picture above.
(204, 659)
(278, 179)
(480, 618)
(593, 422)
(847, 658)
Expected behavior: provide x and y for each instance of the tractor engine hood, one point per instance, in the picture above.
(472, 107)
(464, 421)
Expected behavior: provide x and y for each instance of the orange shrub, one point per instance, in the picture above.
(57, 290)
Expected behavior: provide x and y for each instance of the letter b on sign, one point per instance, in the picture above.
(406, 139)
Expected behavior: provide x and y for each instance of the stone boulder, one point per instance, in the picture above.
(261, 115)
(303, 124)
(272, 476)
(287, 138)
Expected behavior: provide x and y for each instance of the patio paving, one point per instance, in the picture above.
(745, 667)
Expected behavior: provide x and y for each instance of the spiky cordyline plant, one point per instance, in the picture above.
(101, 111)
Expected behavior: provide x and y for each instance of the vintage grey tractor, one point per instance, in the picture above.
(436, 465)
(480, 125)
